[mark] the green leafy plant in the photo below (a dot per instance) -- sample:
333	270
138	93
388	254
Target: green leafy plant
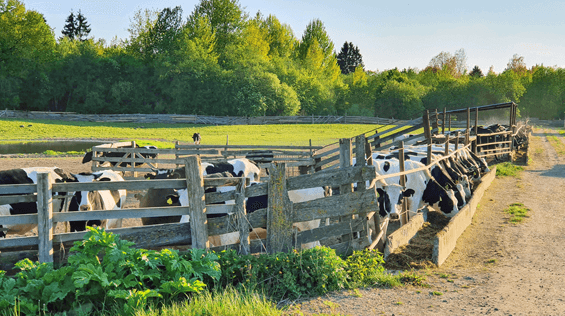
104	270
285	275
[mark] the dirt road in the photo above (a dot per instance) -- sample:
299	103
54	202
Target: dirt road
497	268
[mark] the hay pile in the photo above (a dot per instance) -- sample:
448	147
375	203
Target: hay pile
418	253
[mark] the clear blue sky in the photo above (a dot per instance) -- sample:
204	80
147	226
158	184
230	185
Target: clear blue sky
388	33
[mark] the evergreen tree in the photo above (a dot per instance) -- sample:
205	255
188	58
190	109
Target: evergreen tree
83	28
76	27
70	28
476	72
349	58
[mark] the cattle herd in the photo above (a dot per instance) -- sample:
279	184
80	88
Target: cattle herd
446	185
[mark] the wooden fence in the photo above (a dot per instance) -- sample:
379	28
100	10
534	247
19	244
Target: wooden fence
278	218
199	119
293	156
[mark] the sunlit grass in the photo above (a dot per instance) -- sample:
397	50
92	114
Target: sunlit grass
508	169
227	303
164	135
556	144
518	212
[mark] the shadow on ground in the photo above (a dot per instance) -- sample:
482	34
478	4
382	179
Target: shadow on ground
558	171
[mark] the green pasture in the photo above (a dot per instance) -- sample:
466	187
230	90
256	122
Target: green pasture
164	135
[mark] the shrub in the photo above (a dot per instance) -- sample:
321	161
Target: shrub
285	275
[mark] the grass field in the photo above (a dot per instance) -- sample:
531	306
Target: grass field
164	135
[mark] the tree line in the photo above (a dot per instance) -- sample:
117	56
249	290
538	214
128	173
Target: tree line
220	60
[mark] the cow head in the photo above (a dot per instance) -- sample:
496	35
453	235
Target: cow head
448	203
390	199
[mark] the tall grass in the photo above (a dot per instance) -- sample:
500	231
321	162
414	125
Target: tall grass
229	302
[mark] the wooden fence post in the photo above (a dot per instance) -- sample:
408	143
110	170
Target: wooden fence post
360	157
360	153
468	130
447	144
449	120
45	217
133	155
241	216
427	132
443	121
345	161
436	122
280	213
457	141
403	216
345	158
195	190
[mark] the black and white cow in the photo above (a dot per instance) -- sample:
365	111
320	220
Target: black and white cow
161	197
241	167
97	200
256	203
27	176
421	189
88	156
196	138
442	172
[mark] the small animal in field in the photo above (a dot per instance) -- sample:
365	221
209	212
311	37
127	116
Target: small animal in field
196	137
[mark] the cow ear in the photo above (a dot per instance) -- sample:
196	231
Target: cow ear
408	192
172	199
380	191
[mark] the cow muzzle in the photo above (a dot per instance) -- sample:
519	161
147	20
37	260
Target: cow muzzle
85	208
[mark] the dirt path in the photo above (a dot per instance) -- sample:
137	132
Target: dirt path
497	268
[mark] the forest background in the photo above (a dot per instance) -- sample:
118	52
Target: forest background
220	60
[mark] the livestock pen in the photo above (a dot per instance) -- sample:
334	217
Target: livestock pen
278	218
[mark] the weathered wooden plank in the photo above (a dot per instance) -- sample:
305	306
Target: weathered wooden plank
360	157
123	213
255	246
18	219
279	213
6	243
327	153
339	229
496	143
45	217
324	162
259	153
10	199
18	188
413	122
241	219
408	130
257	147
195	186
120	185
346	248
338	205
333	178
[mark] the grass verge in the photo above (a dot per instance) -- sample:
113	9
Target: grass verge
517	212
556	144
508	169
